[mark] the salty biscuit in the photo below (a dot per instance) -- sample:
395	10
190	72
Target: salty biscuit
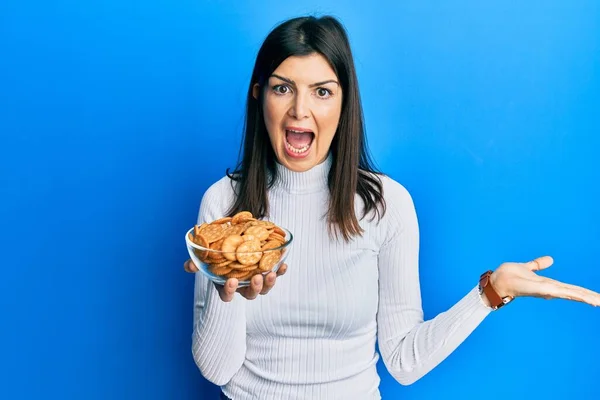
201	241
241	217
220	270
266	224
223	220
248	268
215	255
230	245
236	265
212	233
260	232
271	244
234	230
279	231
249	253
250	275
198	228
237	274
276	236
269	260
221	264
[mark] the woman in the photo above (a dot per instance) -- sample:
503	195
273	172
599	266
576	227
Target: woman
354	263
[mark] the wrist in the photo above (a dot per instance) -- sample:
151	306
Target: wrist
492	290
499	285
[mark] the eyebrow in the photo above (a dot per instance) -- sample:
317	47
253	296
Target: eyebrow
311	85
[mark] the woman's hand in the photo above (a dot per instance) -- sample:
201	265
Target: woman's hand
260	284
520	280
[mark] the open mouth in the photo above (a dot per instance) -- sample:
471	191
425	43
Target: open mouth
298	142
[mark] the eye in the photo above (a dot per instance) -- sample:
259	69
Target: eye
323	93
281	89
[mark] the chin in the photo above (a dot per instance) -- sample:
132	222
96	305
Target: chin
296	164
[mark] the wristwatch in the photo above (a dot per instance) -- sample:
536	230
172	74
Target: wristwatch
485	286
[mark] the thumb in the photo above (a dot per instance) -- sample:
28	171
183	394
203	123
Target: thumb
540	263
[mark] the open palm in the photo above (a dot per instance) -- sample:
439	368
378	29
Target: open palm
520	280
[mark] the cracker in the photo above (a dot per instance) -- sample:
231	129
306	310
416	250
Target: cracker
212	233
276	236
220	270
260	232
230	245
234	230
271	244
249	275
279	231
249	237
215	255
236	265
266	224
221	221
268	261
237	274
248	268
249	253
221	264
241	217
201	241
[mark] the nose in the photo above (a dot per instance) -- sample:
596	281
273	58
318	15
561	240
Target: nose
300	108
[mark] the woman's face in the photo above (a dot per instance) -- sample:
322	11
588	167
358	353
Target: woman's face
302	106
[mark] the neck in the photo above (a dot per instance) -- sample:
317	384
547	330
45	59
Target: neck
312	180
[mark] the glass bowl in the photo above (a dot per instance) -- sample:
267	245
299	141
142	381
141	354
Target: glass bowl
219	265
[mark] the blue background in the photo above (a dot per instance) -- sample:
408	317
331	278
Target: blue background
116	116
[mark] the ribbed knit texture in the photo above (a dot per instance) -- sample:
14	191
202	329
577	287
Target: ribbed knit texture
313	336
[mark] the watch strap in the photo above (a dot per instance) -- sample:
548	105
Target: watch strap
485	286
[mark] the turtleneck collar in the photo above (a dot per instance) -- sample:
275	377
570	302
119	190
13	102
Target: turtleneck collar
313	180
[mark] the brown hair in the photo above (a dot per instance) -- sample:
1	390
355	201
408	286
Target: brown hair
352	170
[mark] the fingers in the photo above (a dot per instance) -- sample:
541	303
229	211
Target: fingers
540	263
190	267
259	285
227	291
256	286
282	269
556	289
551	288
269	282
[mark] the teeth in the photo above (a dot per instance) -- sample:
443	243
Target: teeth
295	150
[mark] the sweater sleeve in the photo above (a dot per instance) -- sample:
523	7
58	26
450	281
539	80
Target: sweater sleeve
411	347
219	328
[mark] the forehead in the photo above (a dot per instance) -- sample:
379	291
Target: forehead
306	69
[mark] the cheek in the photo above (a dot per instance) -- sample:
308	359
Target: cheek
270	123
327	123
272	116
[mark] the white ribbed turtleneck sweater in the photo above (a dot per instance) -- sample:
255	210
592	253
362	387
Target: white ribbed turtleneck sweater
313	335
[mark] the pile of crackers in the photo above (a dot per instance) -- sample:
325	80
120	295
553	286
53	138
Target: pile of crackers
240	246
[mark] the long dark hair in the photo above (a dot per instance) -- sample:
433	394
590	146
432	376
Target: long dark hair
352	169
